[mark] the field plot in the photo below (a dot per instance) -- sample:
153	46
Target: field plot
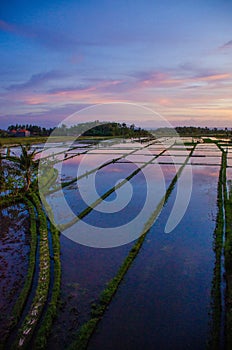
208	154
125	283
164	300
229	174
229	161
14	251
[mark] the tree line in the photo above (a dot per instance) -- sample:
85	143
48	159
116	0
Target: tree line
193	131
34	129
95	128
198	131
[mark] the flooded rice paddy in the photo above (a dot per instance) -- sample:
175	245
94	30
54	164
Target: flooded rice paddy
14	251
165	298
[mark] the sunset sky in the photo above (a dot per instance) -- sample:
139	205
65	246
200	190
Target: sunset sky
174	57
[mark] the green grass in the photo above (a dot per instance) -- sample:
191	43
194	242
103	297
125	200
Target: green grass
45	328
11	199
228	265
47	179
224	199
216	295
28	326
9	141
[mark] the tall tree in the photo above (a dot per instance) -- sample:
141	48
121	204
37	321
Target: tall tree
27	164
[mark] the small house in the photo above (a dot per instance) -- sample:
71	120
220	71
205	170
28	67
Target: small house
19	133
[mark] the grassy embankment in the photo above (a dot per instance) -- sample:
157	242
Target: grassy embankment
223	223
9	141
106	296
46	324
34	315
216	292
228	264
28	326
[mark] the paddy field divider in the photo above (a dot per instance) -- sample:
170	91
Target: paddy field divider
99	308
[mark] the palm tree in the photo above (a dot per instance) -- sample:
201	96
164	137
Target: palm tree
27	164
24	165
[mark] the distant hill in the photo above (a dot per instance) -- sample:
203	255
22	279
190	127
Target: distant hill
96	129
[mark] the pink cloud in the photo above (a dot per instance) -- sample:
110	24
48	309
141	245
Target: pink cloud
168	94
227	45
167	80
214	77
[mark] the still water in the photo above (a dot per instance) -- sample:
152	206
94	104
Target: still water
164	300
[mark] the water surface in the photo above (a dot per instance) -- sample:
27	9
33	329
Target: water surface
164	300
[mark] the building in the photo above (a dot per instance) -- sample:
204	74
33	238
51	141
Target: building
20	133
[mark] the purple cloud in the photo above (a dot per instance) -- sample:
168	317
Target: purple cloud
60	40
50	117
37	80
68	89
227	45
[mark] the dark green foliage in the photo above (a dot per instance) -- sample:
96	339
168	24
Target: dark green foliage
40	298
84	335
34	129
228	263
216	295
47	178
200	131
27	164
101	129
45	328
28	326
17	173
116	129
